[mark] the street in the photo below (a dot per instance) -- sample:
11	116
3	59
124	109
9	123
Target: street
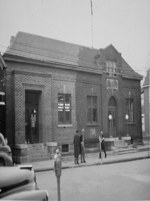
119	181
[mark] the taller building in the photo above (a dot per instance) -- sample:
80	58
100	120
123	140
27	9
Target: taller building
54	88
146	104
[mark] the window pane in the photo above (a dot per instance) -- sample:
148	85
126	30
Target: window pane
67	117
111	67
60	98
94	115
60	117
89	102
91	109
130	109
89	115
67	98
94	102
64	108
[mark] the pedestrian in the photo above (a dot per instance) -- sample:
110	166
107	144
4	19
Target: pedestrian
77	147
57	163
57	154
33	126
82	146
102	144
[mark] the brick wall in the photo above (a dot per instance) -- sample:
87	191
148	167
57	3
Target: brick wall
51	81
88	85
63	82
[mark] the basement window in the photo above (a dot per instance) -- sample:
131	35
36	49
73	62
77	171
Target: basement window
65	148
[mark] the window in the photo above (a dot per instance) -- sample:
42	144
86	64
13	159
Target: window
64	108
112	84
111	67
130	109
65	147
92	109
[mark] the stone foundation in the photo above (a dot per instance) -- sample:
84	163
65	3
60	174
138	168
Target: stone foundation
23	153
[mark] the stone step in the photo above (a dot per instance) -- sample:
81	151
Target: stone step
30	152
36	148
37	152
38	157
120	143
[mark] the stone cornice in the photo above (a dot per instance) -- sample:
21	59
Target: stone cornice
31	73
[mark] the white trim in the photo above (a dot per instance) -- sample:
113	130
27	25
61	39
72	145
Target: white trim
65	125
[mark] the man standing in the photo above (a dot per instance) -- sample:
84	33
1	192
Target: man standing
82	146
76	143
33	125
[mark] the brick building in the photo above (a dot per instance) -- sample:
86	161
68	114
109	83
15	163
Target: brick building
54	88
146	104
2	95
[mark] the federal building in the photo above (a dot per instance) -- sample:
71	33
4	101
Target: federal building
54	88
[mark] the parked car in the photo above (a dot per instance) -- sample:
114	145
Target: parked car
5	153
19	183
40	195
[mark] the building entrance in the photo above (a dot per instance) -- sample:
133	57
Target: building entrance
32	116
112	107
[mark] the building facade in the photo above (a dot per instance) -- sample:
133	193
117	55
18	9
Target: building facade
146	104
54	88
2	95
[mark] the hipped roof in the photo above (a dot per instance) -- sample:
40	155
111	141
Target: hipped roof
47	50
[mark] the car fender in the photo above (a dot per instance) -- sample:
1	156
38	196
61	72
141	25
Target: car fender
40	195
16	179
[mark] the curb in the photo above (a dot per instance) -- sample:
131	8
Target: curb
92	164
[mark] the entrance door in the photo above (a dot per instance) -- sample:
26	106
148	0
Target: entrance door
112	117
32	116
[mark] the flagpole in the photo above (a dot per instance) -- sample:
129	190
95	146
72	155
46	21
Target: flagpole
91	23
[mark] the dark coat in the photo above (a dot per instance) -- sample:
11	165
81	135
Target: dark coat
77	146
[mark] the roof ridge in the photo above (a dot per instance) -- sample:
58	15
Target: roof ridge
56	40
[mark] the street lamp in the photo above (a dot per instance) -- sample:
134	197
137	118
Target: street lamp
110	119
2	94
127	118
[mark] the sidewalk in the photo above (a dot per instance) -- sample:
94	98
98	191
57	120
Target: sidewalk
141	152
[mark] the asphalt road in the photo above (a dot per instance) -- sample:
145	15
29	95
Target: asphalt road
115	182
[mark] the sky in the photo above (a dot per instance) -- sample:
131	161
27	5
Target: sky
123	23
